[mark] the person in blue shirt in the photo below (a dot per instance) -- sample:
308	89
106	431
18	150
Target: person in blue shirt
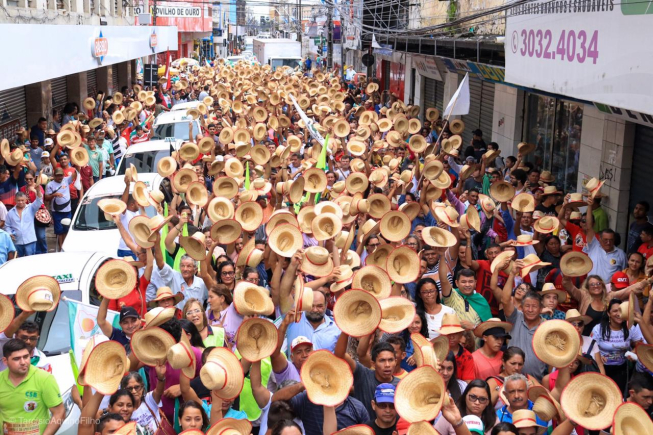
7	248
516	390
20	223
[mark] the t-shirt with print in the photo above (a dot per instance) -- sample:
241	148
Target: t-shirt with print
434	321
60	204
365	384
124	219
74	193
577	236
484	277
613	350
465	364
25	409
645	250
94	159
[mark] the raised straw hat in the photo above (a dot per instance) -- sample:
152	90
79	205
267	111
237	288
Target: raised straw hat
38	293
591	400
373	280
316	262
166	166
403	265
115	279
285	240
397	313
256	339
395	226
544	405
183	178
326	226
150	346
575	264
182	357
326	378
556	343
250	299
226	231
250	215
7	312
106	366
524	202
437	237
502	191
532	263
630	418
420	395
223	374
194	245
357	313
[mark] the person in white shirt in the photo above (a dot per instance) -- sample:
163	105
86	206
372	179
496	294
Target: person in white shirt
130	212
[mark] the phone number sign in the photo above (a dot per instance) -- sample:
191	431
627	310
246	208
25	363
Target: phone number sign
587	49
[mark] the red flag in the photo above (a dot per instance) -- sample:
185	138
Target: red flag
168	69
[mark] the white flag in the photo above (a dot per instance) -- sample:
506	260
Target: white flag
82	319
374	43
459	103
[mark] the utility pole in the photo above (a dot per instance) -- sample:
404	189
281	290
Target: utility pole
154	14
330	38
299	19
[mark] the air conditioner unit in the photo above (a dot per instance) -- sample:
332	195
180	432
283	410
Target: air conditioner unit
144	19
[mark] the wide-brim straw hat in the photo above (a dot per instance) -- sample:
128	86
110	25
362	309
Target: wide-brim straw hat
575	264
466	171
411	209
118	117
433	169
450	324
285	240
420	395
373	280
380	255
150	345
499	259
357	313
591	400
446	214
250	215
379	205
93	341
194	245
182	357
556	343
630	418
315	180
544	405
139	228
183	179
112	206
189	151
326	378
457	126
206	145
432	114
384	124
115	279
226	231
525	240
526	148
525	418
89	103
627	310
492	323
439	238
356	148
107	364
196	194
260	154
220	208
524	202
395	226
256	339
403	265
223	374
229	426
166	166
162	293
397	313
7	312
341	128
140	194
226	136
225	187
417	143
502	191
593	186
532	263
250	299
38	293
357	429
546	224
471	219
79	156
645	354
550	288
317	262
573	315
379	177
326	226
356	182
233	168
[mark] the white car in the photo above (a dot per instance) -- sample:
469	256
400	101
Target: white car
145	156
235	59
175	125
89	229
75	273
185	106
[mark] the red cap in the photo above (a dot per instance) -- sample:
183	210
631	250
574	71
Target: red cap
620	280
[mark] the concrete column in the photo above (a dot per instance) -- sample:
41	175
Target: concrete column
39	102
507	120
451	81
124	74
408	79
77	87
104	80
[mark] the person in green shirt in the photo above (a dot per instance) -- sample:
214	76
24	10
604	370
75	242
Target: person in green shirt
28	395
599	215
94	158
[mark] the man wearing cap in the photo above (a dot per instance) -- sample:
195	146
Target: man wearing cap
383	405
300	348
129	322
45	166
58	193
606	258
20	223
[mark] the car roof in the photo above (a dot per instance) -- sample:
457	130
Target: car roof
153	145
65	267
116	185
172	117
276	40
185	106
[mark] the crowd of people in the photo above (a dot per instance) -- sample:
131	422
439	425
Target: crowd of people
317	262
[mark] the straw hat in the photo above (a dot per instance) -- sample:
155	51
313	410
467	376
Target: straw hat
341	128
630	418
373	280
432	114
457	126
317	262
225	188
526	240
411	209
487	205
93	341
502	191
384	125
500	258
403	265
250	215
280	217
450	324
183	178
379	257
118	117
229	426
573	315
397	314
79	156
162	293
196	194
131	172
220	208
526	148
591	400
556	342
7	312
357	313
379	205
466	171
250	299
285	240
576	200
206	145
107	364
139	228
89	103
480	330
226	231
327	378
315	180
645	354
593	186
141	194
233	168
182	357
326	226
111	206
150	345
574	264
532	263
491	155
420	395
223	373
546	224
550	288
446	214
544	405
256	339
226	136
525	418
38	293
524	202
417	142
471	219
437	237
433	169
379	177
356	148
395	226
551	190
627	310
115	279
356	182
166	166
357	429
194	245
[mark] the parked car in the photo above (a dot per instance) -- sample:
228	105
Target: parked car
175	125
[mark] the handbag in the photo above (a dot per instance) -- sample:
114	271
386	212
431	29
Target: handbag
164	427
42	218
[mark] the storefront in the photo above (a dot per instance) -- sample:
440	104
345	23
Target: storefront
391	76
481	110
59	88
13	112
555	127
640	183
433	94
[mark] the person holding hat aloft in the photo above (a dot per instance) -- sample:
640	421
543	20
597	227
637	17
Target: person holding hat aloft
19	222
606	257
300	349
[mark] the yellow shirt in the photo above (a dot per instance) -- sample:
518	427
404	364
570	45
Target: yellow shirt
464	310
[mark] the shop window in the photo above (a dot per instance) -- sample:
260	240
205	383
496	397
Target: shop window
555	127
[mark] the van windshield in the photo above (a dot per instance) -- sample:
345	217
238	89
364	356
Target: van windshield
144	162
277	63
178	130
89	217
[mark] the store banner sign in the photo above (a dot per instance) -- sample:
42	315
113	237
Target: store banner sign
178	11
593	50
482	71
427	67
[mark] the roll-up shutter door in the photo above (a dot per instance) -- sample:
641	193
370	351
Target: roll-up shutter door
487	111
430	94
59	92
439	95
91	83
386	75
13	112
114	79
473	119
640	184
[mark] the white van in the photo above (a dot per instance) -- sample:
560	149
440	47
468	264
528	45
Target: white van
75	273
185	106
89	229
175	125
145	156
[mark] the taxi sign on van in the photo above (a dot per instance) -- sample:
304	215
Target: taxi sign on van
64	278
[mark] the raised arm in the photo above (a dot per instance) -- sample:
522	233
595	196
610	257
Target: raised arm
285	289
341	350
105	326
506	296
443	270
261	394
589	221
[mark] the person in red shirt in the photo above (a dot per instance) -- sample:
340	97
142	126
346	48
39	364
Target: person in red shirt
484	275
555	277
646	248
454	331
